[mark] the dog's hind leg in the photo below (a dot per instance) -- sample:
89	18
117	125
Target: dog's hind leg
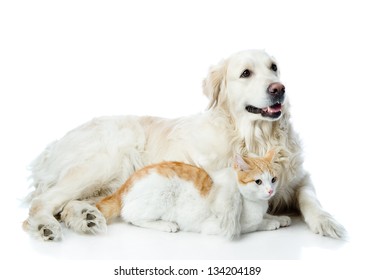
76	184
41	222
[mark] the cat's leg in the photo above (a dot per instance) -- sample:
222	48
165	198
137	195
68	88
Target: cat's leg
268	224
83	217
264	224
158	225
283	220
251	216
211	226
318	220
248	227
250	223
226	214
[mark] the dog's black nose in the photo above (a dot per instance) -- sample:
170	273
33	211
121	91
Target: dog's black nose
276	90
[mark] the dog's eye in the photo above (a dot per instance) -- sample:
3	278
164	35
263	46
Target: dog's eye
274	67
274	179
258	182
245	74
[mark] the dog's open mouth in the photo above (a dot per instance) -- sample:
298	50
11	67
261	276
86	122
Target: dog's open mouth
272	112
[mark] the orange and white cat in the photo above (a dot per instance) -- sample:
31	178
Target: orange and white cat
172	196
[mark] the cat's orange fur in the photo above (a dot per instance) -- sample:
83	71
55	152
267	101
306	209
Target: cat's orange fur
257	166
173	196
111	205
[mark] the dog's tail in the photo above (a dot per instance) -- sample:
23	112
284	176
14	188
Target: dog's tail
110	206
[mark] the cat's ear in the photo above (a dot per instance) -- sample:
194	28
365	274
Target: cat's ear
240	163
270	155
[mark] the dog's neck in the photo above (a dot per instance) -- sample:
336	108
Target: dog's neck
258	136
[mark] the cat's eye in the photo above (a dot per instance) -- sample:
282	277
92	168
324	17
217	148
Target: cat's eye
245	74
258	182
274	67
274	179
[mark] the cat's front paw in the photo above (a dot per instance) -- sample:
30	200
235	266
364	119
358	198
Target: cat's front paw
172	227
271	225
284	221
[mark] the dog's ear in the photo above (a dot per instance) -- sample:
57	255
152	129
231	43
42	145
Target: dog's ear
214	84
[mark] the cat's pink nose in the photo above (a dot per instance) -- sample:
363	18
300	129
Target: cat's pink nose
270	192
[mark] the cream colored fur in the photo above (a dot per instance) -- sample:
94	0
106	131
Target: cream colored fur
95	158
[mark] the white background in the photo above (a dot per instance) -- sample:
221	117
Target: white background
65	62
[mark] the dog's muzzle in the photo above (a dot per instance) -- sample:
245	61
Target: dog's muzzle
276	93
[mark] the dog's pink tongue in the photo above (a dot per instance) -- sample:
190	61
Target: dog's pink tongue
273	109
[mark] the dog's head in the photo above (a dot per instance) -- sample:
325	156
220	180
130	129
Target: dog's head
248	85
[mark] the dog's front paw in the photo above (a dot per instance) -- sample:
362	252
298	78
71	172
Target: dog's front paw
324	224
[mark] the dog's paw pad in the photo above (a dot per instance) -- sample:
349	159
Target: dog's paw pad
92	221
91	224
90	217
84	218
49	232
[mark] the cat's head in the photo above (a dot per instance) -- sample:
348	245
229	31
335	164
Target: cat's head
256	176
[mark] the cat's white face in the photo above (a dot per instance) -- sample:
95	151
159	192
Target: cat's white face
262	187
